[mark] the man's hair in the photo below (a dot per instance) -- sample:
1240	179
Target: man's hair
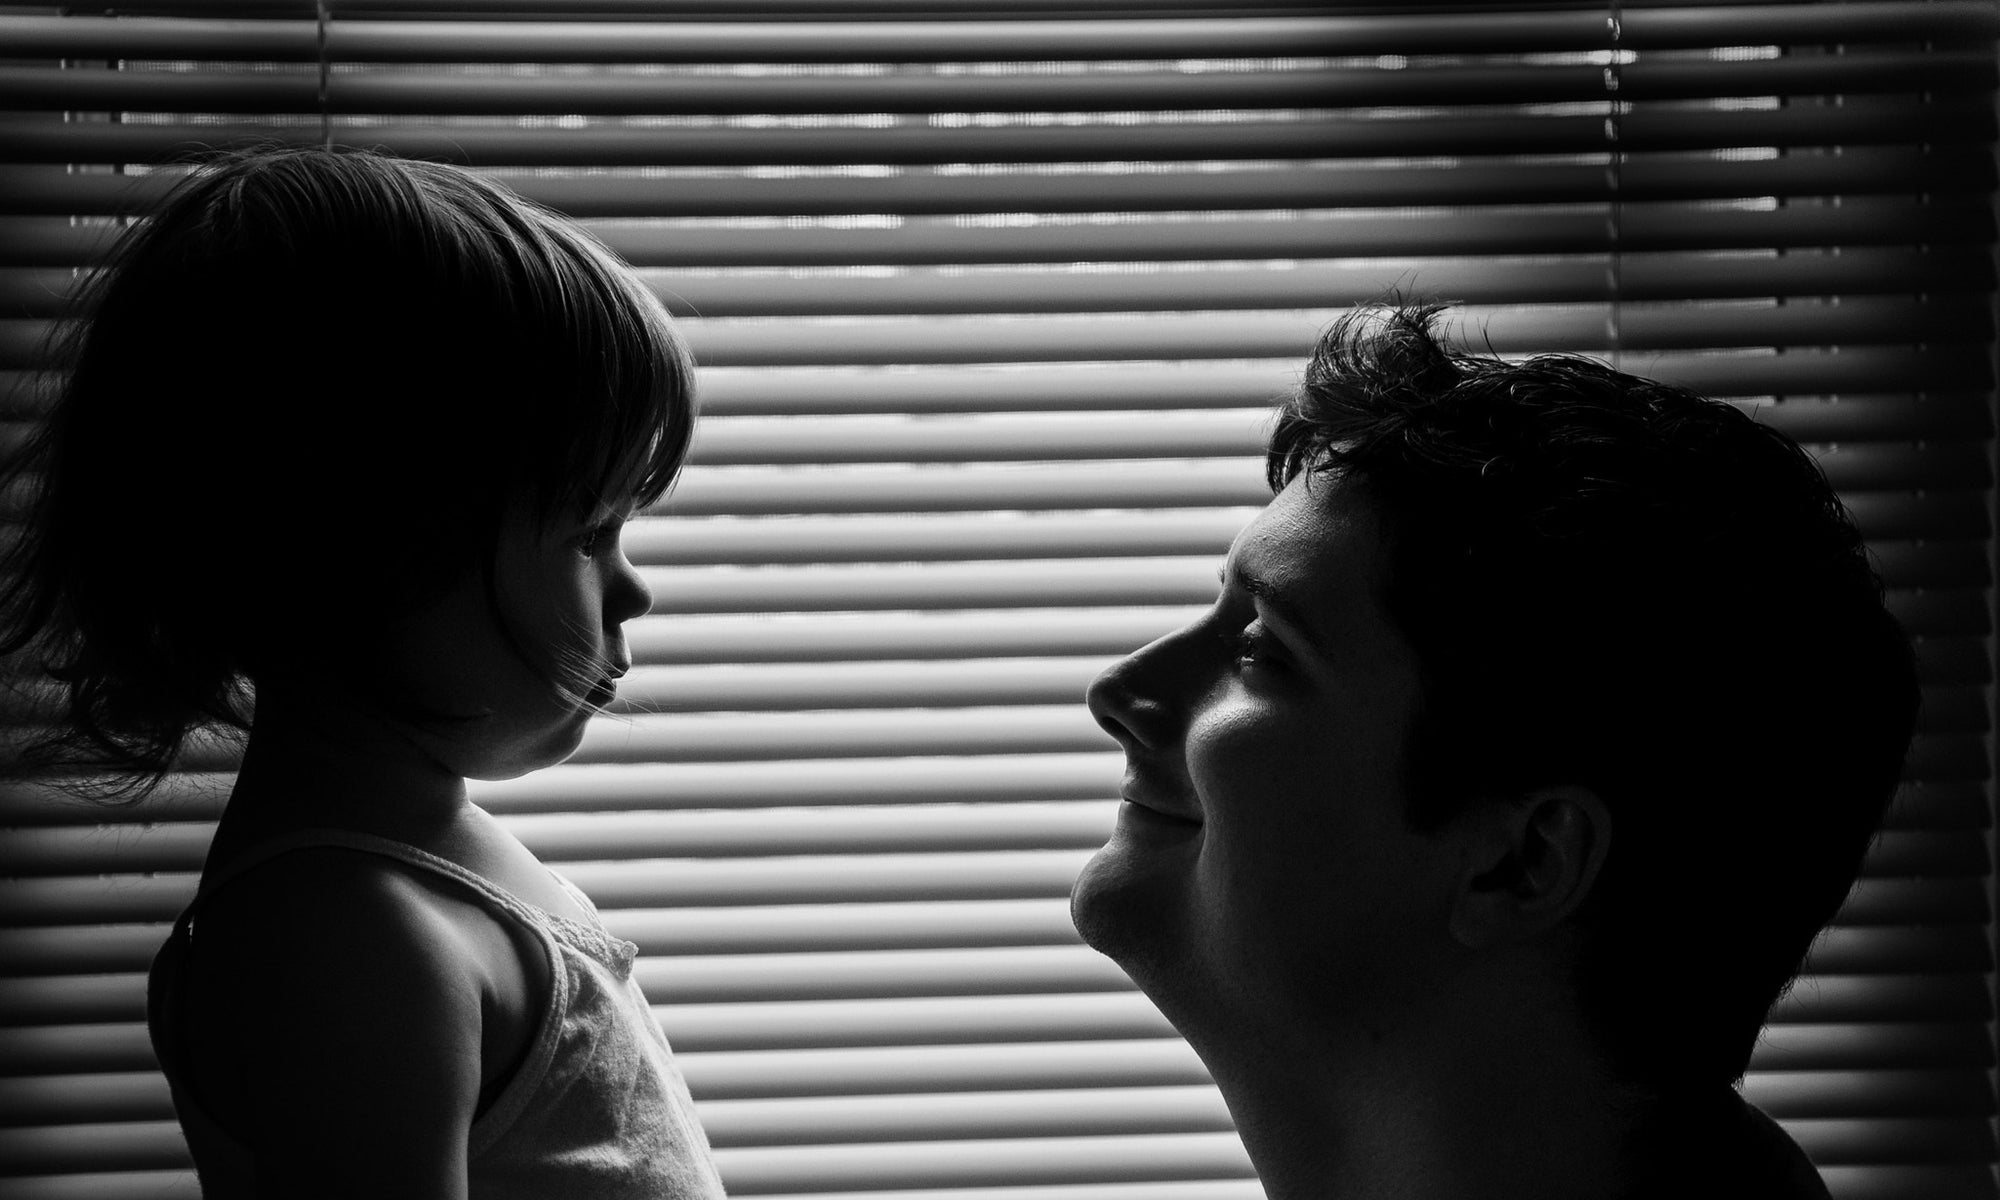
1615	583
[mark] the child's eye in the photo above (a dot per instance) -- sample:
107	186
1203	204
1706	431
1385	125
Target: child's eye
598	538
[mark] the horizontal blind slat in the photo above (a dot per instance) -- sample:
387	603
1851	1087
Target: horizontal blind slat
832	879
1860	170
1142	483
46	292
1644	228
1037	1113
149	1185
37	140
1035	338
682	9
1847	1183
1877	1142
1089	387
930	241
693	979
1834	1046
1073	582
1055	1160
1013	779
1859	371
1278	334
108	1097
1806	1095
764	1170
1913	538
808	538
1031	1066
1082	824
974	40
101	950
725	441
658	42
157	1145
181	846
1855	271
129	948
1897	1182
860	878
943	972
432	93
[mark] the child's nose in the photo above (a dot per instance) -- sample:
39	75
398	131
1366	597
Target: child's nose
628	596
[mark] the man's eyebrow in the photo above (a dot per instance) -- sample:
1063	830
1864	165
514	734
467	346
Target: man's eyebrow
1285	612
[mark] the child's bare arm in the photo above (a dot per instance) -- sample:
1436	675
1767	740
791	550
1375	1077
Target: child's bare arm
361	1065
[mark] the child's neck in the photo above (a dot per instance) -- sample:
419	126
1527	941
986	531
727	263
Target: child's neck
320	759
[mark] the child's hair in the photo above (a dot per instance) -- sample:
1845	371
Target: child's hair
297	405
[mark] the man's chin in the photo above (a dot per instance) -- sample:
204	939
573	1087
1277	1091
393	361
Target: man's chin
1125	905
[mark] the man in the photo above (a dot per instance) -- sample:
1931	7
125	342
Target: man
1541	722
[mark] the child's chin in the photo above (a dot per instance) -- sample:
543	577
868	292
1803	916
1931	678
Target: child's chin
555	747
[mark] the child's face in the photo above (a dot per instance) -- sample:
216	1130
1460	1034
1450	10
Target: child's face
515	671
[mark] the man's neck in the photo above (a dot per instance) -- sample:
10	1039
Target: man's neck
1416	1139
1496	1109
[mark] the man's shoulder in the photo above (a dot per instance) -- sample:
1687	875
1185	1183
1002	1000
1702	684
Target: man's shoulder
1724	1145
1785	1171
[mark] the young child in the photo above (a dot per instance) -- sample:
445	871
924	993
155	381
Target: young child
341	460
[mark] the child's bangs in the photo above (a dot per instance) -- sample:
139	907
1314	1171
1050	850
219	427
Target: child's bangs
612	412
625	428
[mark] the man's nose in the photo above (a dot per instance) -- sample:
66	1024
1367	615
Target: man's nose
1135	699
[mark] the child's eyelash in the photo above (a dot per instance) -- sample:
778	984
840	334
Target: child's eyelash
595	539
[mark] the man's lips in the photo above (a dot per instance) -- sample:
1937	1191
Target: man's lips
1155	808
1140	790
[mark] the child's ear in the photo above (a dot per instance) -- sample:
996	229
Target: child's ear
1530	861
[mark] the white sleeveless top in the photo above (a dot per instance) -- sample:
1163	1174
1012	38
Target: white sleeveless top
596	1109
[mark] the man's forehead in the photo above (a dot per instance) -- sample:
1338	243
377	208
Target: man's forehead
1317	548
1314	523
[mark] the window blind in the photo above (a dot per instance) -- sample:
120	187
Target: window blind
990	300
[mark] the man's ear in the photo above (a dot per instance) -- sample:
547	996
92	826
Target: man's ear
1531	860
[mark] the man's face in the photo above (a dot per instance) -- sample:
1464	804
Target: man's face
1262	870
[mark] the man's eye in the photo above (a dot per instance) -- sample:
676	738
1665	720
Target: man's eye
1251	646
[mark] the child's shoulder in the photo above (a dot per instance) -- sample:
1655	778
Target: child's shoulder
325	971
318	911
